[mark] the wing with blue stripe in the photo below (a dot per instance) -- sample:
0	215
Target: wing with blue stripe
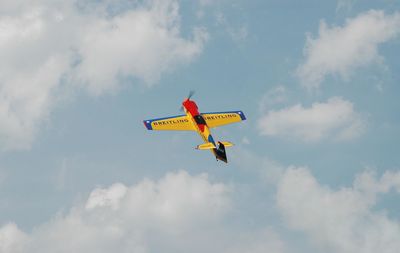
215	119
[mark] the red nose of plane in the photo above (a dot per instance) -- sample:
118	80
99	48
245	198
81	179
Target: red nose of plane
190	106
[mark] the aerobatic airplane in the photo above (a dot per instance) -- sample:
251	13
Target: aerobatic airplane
192	120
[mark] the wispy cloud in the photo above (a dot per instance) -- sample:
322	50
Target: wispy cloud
345	4
339	50
237	33
56	45
144	217
274	96
335	119
343	220
177	213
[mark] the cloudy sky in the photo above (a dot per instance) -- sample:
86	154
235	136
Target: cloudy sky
315	168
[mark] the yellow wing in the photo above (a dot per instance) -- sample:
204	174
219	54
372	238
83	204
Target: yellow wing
215	119
177	123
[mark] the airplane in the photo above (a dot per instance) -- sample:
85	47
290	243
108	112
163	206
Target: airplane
192	120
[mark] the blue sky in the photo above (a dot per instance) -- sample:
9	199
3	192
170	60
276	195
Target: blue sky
314	166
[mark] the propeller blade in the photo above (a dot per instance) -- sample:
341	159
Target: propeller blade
191	93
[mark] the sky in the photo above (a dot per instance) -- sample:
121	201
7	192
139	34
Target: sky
315	167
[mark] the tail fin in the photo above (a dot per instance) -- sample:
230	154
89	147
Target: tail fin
220	151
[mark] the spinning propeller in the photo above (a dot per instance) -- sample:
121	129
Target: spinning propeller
191	93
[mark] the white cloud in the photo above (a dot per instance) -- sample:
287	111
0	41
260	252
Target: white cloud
345	4
238	34
246	140
109	197
260	242
340	50
262	167
343	220
334	119
29	73
140	43
177	213
151	216
55	45
11	238
274	96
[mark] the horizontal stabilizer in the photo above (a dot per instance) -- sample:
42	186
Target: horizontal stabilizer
204	146
226	143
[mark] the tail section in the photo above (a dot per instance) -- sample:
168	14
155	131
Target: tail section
226	143
220	152
207	145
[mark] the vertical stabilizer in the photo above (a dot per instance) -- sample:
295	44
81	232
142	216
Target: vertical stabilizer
221	153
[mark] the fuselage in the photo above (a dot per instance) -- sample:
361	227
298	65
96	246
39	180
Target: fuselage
192	112
193	120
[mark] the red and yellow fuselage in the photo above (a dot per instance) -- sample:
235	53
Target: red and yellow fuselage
199	122
192	112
